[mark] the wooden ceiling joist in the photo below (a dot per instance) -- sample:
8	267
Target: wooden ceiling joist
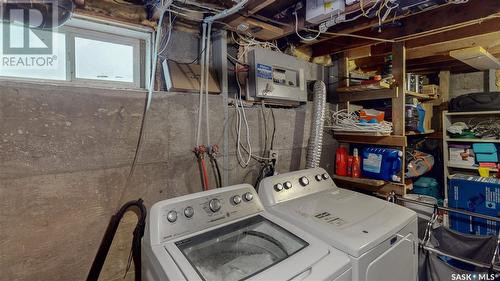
423	22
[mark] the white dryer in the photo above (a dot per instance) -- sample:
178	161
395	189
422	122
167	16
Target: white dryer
225	234
380	237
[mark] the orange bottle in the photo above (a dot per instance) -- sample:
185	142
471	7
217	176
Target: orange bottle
356	164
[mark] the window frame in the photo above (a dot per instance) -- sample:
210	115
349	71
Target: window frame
139	37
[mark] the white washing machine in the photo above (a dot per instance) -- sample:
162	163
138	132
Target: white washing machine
225	234
380	237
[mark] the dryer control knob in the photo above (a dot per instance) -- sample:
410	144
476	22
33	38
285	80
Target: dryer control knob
172	216
236	199
318	177
188	212
278	187
325	176
214	205
248	196
304	181
287	185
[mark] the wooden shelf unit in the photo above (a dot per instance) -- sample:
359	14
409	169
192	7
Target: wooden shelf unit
398	138
448	118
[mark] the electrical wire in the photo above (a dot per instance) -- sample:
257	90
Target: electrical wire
297	30
242	119
242	116
149	97
263	107
274	129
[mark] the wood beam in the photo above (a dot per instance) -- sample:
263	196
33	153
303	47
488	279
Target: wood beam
490	41
398	72
414	24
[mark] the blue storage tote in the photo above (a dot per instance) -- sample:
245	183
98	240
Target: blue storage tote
478	195
485	152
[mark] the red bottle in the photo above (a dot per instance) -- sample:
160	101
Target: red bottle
356	165
341	161
349	166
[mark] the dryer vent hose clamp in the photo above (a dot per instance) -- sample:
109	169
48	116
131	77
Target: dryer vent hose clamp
315	144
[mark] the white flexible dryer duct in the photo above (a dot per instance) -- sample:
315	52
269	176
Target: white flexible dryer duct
318	120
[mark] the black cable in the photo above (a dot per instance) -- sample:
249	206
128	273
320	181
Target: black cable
137	206
265	129
196	59
274	128
218	171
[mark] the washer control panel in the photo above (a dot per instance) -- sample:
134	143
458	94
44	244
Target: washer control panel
183	215
283	187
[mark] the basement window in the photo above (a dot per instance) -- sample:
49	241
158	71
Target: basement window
82	52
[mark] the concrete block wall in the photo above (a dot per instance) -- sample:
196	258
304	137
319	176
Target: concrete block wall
65	153
465	83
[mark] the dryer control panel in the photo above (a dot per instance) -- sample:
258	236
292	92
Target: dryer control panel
283	187
188	214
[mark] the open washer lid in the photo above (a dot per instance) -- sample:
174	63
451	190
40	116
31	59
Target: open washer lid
348	220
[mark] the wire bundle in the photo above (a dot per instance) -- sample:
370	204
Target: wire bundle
345	121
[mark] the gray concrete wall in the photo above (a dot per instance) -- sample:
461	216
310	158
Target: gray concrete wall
65	153
465	83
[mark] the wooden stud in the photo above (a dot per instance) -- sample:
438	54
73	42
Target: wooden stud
398	103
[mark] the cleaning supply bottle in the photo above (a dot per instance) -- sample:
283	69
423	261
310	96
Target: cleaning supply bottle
356	164
349	166
381	163
341	161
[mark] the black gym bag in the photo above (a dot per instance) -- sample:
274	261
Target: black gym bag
476	102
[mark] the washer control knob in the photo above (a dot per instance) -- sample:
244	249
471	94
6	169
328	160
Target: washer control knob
214	205
287	185
325	176
236	199
248	196
304	181
278	187
188	212
172	216
318	177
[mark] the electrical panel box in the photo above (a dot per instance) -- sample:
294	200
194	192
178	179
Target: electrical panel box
318	11
273	75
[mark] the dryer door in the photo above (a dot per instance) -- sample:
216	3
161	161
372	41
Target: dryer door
398	263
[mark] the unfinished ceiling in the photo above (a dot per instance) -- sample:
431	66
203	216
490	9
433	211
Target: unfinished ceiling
429	34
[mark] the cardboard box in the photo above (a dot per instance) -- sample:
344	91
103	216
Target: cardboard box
475	194
180	77
461	154
431	90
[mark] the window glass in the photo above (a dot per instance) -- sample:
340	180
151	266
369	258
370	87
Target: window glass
100	60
